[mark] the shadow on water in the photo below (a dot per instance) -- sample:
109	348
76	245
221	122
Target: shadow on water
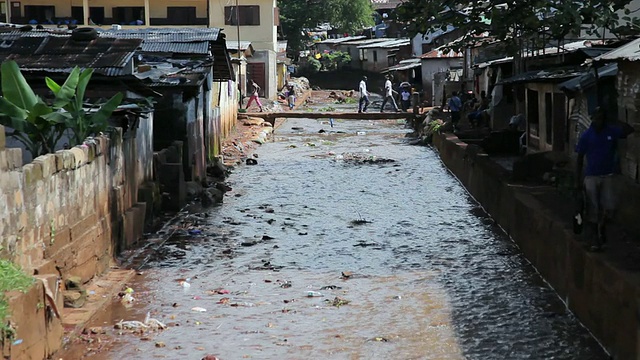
427	274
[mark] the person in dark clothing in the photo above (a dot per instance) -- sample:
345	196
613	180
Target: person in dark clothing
598	144
455	106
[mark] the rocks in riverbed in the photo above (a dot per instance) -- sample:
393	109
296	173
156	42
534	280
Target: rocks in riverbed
362	159
211	196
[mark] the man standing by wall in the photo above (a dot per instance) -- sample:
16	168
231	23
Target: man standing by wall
599	145
363	103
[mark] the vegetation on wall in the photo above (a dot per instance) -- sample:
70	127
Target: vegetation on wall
40	125
11	279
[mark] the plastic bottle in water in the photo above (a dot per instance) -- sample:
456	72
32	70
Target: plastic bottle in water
314	294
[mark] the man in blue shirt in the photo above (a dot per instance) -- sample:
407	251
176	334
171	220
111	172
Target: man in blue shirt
455	106
599	146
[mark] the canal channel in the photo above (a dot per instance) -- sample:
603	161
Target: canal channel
402	264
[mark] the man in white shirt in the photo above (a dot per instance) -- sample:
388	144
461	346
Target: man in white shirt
388	95
364	96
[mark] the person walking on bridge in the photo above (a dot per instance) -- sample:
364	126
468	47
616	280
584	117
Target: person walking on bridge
598	144
388	95
363	103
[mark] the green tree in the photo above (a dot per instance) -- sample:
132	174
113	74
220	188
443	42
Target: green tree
38	125
34	123
83	120
335	60
345	15
516	23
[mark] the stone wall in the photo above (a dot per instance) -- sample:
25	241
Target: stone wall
604	298
66	214
54	212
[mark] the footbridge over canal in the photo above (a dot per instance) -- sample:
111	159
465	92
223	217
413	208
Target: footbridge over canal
272	116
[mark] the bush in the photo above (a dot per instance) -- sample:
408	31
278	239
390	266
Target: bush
335	60
310	66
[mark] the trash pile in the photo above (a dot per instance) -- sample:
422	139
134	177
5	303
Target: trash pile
357	159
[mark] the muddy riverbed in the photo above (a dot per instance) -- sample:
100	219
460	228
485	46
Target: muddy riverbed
400	261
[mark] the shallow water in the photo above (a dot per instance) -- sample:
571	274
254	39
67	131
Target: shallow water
432	276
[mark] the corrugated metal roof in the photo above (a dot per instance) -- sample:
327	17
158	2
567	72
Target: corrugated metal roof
563	49
364	41
201	47
341	40
389	43
551	75
404	65
494	62
436	54
385	4
630	52
107	71
165	34
588	79
61	52
233	45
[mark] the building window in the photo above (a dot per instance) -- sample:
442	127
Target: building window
363	55
181	15
96	15
249	15
40	13
128	15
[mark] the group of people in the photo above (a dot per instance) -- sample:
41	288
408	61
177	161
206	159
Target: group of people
477	110
389	92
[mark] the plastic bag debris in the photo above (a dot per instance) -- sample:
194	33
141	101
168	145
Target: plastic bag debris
198	309
154	323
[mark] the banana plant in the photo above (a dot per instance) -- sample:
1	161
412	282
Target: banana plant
35	124
83	120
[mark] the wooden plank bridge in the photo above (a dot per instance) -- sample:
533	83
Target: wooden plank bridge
372	115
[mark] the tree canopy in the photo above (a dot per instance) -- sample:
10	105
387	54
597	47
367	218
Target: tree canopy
515	21
347	16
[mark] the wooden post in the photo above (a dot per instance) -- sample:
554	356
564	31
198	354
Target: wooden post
7	4
147	16
85	12
415	104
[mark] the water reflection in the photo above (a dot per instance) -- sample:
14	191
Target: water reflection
432	277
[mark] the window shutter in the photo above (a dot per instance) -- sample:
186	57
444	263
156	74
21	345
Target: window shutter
255	18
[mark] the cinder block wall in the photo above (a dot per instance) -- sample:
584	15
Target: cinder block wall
54	212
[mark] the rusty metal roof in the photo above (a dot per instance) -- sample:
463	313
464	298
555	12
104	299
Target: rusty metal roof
630	51
61	52
165	34
385	4
197	48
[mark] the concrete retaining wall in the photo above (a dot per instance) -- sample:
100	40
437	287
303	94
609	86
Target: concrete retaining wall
605	299
64	215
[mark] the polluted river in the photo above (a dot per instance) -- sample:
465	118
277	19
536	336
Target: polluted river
342	242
